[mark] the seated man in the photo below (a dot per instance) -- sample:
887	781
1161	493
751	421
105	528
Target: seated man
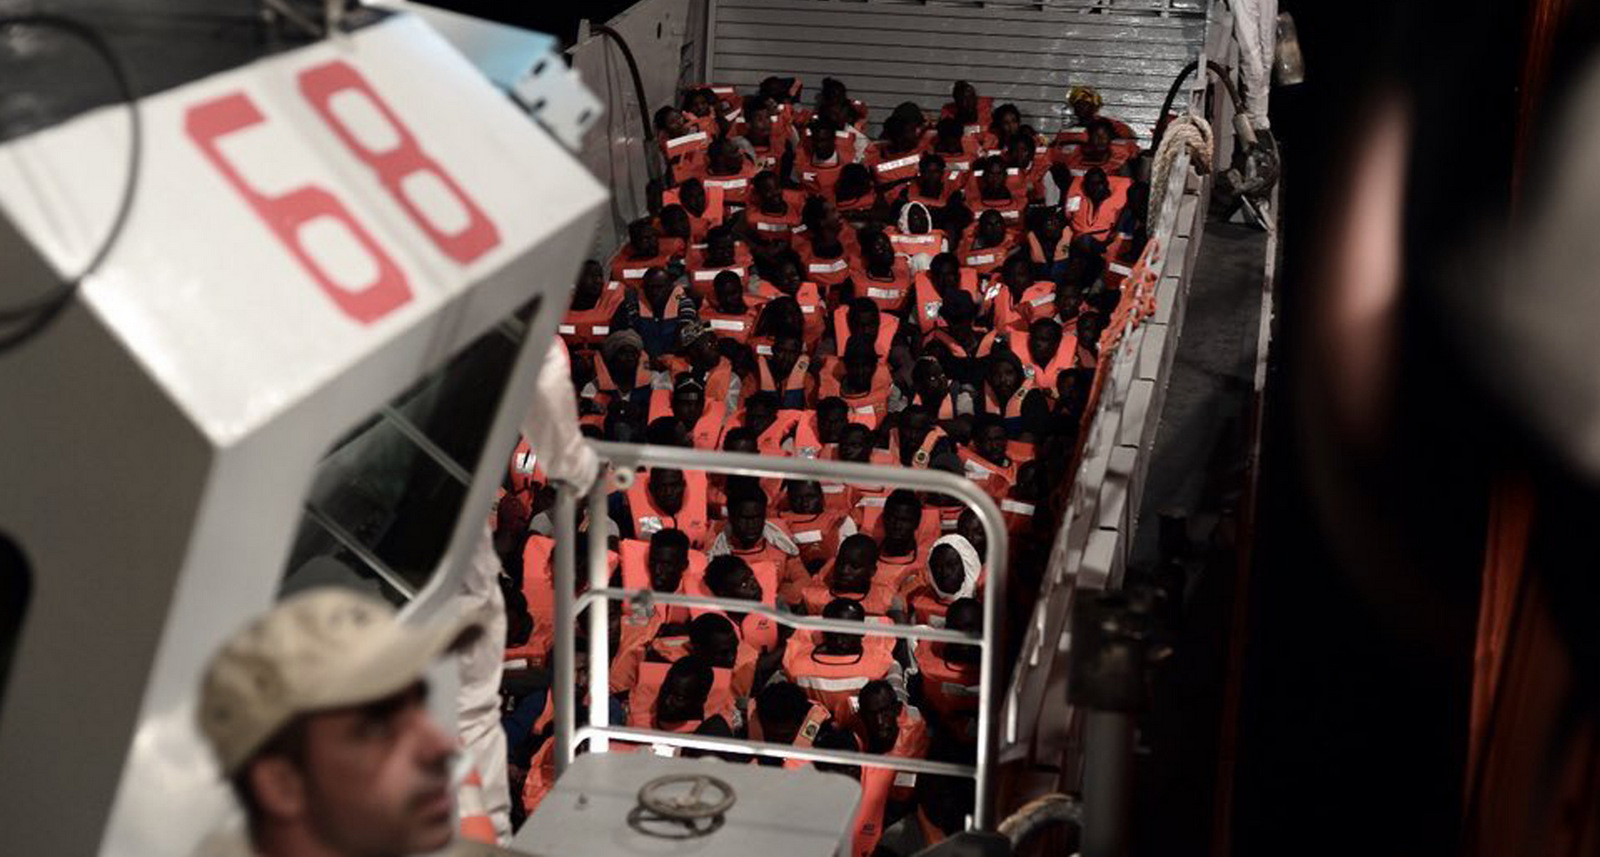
831	667
815	528
852	576
903	531
290	706
887	725
594	304
783	715
988	461
657	313
1045	352
642	252
732	577
684	698
713	638
665	498
749	535
869	822
862	379
947	676
727	313
954	571
722	253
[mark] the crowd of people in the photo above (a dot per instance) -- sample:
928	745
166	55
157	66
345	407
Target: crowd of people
931	298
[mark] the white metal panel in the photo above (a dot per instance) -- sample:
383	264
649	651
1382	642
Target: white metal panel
1023	53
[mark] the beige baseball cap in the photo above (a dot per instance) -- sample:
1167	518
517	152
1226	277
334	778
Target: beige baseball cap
320	649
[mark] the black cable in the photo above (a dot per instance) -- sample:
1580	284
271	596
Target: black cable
638	94
33	316
1177	83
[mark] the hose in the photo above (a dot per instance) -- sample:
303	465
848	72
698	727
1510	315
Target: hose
1039	814
652	167
1177	83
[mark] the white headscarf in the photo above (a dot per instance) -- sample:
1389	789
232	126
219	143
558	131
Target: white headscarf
905	218
971	565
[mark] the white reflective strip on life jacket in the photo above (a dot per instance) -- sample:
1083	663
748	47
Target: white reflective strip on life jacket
726	324
764	350
985	259
972	129
807	537
1016	506
632	273
977	471
905	779
686	139
1074	202
1079	172
1041	301
602	329
865	409
648	524
566	329
897	163
833	488
516	664
885	294
1115	268
764	226
874	501
726	184
833	267
831	685
1010	213
808	309
711	273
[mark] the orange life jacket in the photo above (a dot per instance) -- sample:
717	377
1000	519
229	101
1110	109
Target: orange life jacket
691	519
1084	218
1018	515
985	114
539	590
826	273
687	151
834	680
876	784
1117	271
951	690
1010	208
1073	155
703	273
817	592
958	165
588	327
630	270
807	734
642	698
890	168
867	408
737	326
635	555
817	178
995	480
906	245
777	227
700	223
754	630
889	295
735	187
984	260
1044	377
817	535
706	432
929	301
888	328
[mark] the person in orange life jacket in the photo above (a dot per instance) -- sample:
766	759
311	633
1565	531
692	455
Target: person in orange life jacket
700	354
667	431
899	529
1019	155
705	212
1090	326
855	196
789	280
656	314
1096	151
990	189
773	436
988	462
766	145
882	277
953	572
705	420
916	241
870	819
955	344
830	666
729	168
595	304
934	187
946	682
1047	353
1004	387
819	158
682	142
833	417
917	437
685	692
722	252
932	393
1006	122
750	535
773	214
784	373
893	160
666	500
888	726
729	576
816	530
862	386
1020	506
727	314
1049	246
676	229
714	639
853	576
642	252
699	108
620	372
783	715
862	317
986	247
971	112
824	248
1093	217
944	276
1016	299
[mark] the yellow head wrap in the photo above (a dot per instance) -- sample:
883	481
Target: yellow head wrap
1083	93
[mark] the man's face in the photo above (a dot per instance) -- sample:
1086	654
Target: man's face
854	571
931	382
376	778
929	173
1099	140
1009	123
666	488
1096	186
720	247
591	279
880	717
993	179
1003	377
853	444
768	191
703	351
969	527
1084	109
1043	341
667	564
863	322
786	351
675	124
831	424
900	522
645	241
760	415
699	104
680	700
688	405
914	426
657	286
946	569
760	123
805	498
990	441
722	648
880	251
991	227
788	278
626	359
822	142
966	98
693	196
747	519
859	369
743	585
729	290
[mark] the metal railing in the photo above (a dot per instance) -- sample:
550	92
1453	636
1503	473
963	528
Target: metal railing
624	461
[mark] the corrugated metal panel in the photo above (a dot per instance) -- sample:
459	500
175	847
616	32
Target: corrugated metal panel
1026	53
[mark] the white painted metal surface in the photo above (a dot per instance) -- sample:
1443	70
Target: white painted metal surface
1024	53
162	435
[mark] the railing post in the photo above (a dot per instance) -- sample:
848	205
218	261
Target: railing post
599	613
565	648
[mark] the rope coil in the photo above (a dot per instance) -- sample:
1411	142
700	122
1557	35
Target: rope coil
1191	132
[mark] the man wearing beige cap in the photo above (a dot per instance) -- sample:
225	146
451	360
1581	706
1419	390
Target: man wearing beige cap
316	712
